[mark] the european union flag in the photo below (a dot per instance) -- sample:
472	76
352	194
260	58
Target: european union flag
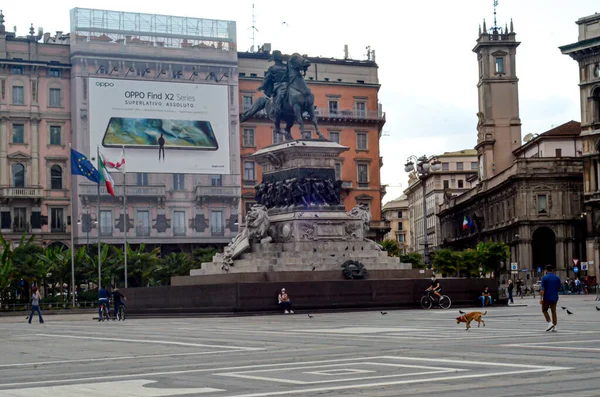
80	165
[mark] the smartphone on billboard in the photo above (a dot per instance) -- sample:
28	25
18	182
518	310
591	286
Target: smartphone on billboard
146	133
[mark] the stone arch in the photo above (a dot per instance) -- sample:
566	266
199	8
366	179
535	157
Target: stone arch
543	247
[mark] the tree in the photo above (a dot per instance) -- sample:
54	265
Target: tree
6	267
469	263
445	261
202	255
175	264
143	266
414	258
391	246
492	255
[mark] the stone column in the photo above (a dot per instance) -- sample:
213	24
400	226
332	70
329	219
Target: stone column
4	169
35	152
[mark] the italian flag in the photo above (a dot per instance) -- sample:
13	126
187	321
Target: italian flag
105	176
119	165
465	222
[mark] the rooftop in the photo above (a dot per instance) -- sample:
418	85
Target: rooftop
460	153
350	62
570	129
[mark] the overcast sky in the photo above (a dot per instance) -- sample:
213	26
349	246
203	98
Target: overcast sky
427	70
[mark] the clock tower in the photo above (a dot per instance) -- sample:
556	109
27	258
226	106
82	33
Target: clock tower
499	125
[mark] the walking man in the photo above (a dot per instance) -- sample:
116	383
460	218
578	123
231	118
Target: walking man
35	305
510	289
549	297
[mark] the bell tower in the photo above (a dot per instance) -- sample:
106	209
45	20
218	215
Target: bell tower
499	125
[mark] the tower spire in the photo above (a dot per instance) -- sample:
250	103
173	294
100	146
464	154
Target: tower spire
512	28
484	27
495	24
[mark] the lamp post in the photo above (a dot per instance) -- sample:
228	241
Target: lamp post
424	167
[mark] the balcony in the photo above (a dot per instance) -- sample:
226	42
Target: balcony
591	197
178	231
106	230
217	231
380	226
340	115
21	192
139	191
350	114
142	231
58	229
217	193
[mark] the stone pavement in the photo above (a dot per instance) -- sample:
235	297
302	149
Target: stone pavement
402	353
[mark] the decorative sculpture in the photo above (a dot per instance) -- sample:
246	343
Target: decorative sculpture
287	97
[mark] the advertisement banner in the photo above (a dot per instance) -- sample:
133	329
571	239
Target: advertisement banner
165	127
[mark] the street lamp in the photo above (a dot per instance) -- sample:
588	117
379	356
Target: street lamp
424	167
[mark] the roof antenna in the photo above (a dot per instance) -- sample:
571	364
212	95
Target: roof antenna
253	27
495	24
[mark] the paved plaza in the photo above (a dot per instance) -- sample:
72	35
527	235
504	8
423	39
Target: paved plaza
402	353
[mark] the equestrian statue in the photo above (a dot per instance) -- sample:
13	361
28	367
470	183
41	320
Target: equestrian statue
287	96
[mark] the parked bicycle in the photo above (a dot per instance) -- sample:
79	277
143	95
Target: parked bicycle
428	301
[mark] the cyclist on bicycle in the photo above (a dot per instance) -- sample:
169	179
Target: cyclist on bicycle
117	302
103	295
435	287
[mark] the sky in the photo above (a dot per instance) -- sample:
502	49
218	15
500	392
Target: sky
427	70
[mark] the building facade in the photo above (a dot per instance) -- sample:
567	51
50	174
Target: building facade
348	112
395	213
457	175
586	51
127	66
35	131
529	196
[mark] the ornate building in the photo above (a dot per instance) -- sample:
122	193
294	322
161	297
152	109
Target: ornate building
348	112
35	131
586	51
529	196
458	174
395	213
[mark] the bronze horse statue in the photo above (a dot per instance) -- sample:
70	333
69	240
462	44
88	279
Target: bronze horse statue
299	99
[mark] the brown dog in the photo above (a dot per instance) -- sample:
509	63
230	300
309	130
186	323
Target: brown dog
472	316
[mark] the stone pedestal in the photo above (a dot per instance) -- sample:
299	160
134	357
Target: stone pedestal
299	222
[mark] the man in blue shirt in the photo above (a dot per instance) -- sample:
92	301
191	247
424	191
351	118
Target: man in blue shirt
549	297
103	295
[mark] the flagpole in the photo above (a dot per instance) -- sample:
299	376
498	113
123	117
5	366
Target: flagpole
125	212
99	223
73	222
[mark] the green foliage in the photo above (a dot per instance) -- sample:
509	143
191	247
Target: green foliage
492	255
202	255
445	261
413	258
391	246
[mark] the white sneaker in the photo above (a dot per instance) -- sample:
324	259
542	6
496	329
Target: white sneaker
286	312
554	329
549	327
291	311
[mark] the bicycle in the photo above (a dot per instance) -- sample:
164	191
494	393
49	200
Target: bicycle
121	312
104	311
427	301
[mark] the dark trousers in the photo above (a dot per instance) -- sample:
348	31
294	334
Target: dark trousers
286	305
552	306
161	149
100	302
117	307
510	296
39	312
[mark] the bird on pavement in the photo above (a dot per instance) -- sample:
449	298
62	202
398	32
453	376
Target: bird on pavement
564	308
309	316
598	308
383	313
461	312
313	269
569	312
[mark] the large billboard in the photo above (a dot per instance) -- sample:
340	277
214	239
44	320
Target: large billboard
164	127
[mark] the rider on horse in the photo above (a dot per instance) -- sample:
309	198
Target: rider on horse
275	83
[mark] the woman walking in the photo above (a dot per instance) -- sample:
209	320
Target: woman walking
510	291
35	305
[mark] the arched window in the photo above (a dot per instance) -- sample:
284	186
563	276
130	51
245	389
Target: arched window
56	177
18	175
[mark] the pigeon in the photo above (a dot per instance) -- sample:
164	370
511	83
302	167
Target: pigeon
304	143
313	269
383	313
569	312
564	308
598	308
461	312
346	249
309	316
316	216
